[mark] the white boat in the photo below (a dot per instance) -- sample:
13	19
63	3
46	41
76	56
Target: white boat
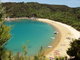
52	37
49	46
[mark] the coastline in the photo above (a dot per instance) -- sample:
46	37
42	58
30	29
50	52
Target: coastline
65	35
55	40
14	19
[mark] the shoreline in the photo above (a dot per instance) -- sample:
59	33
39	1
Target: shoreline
55	40
62	42
65	35
15	19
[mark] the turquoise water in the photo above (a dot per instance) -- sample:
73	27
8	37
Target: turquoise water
32	34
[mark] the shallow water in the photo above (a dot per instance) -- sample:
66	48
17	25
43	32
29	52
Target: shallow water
32	34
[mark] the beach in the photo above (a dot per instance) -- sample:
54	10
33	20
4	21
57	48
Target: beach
64	36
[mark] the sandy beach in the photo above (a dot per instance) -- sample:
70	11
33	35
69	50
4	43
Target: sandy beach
65	35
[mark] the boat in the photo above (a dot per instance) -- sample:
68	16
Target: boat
49	46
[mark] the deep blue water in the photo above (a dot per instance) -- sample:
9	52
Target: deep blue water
32	34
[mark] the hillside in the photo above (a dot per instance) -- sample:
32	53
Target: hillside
62	13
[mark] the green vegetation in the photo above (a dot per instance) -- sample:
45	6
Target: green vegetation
61	13
74	51
70	16
4	31
7	55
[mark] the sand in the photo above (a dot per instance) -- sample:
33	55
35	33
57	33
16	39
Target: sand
66	34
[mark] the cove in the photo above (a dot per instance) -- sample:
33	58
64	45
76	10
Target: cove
31	34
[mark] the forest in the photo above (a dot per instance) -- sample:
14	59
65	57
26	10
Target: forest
65	14
61	13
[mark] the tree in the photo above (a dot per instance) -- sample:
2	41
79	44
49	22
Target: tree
74	50
61	13
4	31
41	55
